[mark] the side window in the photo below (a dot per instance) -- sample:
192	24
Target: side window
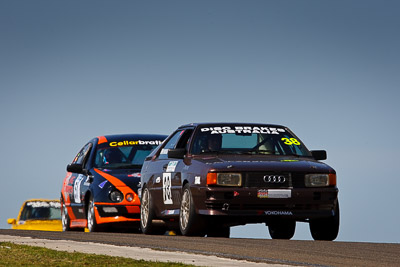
83	154
178	140
170	144
184	140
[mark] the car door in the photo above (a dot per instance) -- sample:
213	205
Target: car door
80	183
167	180
176	166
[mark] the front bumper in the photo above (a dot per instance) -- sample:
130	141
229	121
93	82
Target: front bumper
117	213
250	205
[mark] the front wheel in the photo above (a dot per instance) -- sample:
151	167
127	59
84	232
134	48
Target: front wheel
91	218
147	215
65	220
327	228
282	229
190	223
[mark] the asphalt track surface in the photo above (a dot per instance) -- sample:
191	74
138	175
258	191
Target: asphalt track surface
286	252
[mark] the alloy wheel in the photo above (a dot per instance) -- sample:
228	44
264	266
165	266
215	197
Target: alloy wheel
185	209
144	213
90	217
64	219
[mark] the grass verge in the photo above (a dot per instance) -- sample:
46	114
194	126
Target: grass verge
16	255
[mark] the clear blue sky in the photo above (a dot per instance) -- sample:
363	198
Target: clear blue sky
329	70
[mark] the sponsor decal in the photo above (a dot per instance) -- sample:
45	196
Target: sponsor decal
278	212
167	194
164	151
158	179
197	180
69	190
43	204
235	161
279	193
71	179
136	174
170	212
101	185
77	188
289	160
290	141
68	176
262	193
274	193
242	130
133	143
171	166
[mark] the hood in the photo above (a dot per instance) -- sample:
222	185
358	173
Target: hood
263	162
131	178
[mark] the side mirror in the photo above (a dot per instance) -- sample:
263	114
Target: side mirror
11	221
75	168
177	153
319	154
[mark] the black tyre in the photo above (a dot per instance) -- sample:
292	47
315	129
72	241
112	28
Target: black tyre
91	218
190	223
65	220
282	228
327	228
147	215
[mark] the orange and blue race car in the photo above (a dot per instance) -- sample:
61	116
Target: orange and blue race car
38	214
101	185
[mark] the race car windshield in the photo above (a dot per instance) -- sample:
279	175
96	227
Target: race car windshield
247	140
122	157
41	211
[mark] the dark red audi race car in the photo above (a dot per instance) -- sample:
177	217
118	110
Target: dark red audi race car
207	177
101	185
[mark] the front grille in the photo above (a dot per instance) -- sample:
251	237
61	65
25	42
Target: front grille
256	180
261	180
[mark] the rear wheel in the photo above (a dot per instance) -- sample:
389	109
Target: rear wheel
282	228
190	223
326	228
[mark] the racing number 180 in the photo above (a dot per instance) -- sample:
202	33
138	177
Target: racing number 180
290	141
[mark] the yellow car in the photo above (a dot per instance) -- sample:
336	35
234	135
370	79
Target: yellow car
38	214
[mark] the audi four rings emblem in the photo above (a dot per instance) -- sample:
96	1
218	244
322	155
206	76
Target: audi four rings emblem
274	179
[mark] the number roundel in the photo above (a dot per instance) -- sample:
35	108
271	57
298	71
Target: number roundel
290	141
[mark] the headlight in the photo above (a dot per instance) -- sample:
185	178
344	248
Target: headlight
224	179
116	196
320	180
